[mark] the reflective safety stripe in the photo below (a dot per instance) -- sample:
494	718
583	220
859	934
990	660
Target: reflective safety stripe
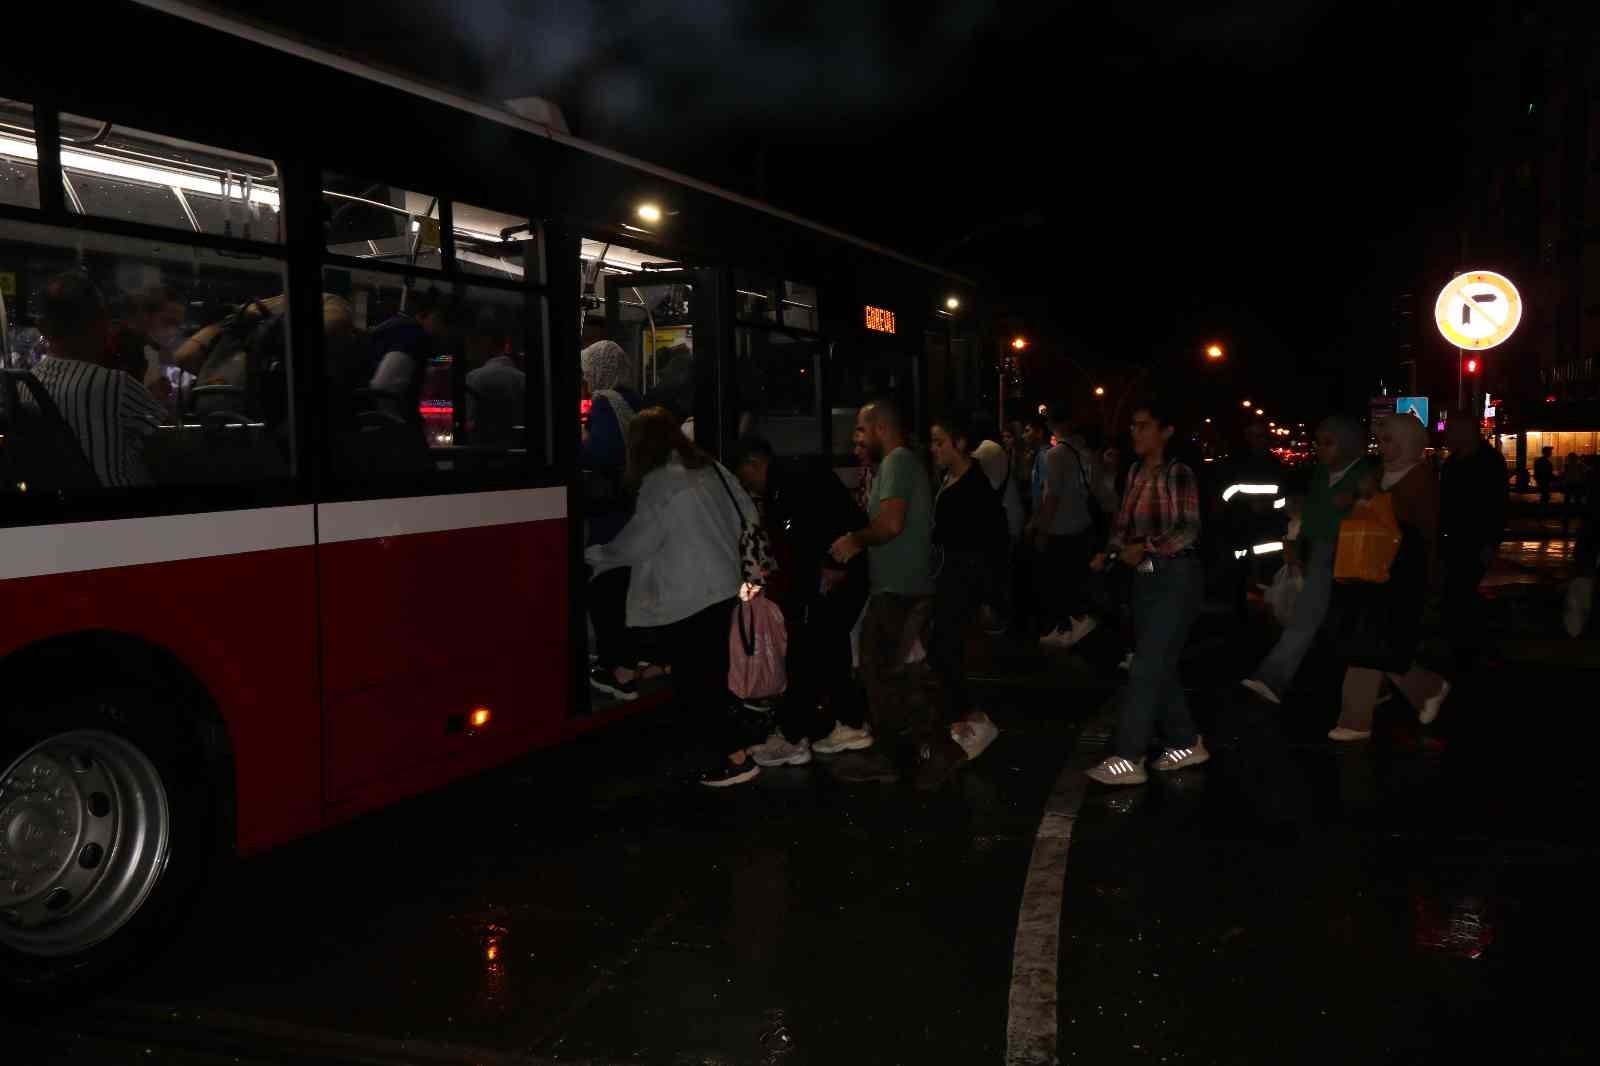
1249	490
1279	504
1268	548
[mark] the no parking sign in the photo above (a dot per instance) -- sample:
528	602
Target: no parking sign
1478	310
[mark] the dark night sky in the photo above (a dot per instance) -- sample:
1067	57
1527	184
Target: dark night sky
1138	179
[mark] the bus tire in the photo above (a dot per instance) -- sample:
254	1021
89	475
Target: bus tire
107	824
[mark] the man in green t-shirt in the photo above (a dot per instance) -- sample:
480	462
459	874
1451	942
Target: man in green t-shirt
899	544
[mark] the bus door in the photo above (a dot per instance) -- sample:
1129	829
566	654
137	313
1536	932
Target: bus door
666	322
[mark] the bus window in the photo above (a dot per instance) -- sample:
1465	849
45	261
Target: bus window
776	366
800	306
430	378
490	243
150	363
19	175
787	303
775	378
371	220
113	171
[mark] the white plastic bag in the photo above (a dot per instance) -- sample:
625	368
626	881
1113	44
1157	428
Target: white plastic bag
1580	602
1284	592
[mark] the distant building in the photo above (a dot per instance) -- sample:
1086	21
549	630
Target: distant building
1530	210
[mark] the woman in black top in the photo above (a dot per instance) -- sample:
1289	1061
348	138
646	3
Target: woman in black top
969	526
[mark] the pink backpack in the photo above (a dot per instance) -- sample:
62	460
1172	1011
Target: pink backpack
757	644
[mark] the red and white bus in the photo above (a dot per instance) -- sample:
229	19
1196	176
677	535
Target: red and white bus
296	593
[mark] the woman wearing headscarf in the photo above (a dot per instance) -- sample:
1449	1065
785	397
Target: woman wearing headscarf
608	374
1389	616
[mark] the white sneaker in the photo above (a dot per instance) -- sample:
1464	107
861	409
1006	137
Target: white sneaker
979	735
1431	705
1260	689
1343	734
1081	627
844	738
1126	665
1178	758
776	751
1116	770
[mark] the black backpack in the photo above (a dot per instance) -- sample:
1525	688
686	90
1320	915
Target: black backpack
245	371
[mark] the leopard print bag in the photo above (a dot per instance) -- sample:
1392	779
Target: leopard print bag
757	563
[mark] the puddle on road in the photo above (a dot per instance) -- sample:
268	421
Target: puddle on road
1462	927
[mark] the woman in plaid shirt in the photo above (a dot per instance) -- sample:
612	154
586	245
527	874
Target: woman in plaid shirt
1154	536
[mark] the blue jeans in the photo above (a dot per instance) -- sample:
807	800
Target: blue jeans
1165	605
1277	670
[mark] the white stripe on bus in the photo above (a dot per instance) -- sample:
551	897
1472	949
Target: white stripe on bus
72	547
369	519
34	551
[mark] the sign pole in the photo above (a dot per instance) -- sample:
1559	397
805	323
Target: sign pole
1480	308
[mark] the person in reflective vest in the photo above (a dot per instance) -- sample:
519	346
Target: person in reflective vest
1251	511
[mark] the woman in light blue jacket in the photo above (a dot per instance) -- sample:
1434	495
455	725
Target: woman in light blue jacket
683	545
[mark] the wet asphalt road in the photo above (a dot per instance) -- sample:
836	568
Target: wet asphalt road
1419	898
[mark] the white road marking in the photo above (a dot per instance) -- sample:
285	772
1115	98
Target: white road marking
1033	1013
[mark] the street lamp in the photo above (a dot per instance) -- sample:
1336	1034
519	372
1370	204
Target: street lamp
952	304
1018	343
1214	352
649	213
1247	403
1259	411
1099	390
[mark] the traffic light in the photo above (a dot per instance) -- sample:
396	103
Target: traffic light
1472	364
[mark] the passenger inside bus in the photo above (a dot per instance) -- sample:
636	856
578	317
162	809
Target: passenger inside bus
110	412
609	377
403	346
496	386
155	314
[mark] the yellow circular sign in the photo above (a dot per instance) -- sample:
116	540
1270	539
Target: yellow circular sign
1478	310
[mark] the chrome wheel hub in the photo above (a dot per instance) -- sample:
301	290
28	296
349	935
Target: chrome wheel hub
85	831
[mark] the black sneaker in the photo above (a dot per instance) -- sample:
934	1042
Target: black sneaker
729	774
603	680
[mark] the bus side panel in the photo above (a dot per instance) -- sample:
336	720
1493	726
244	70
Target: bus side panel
243	624
420	630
